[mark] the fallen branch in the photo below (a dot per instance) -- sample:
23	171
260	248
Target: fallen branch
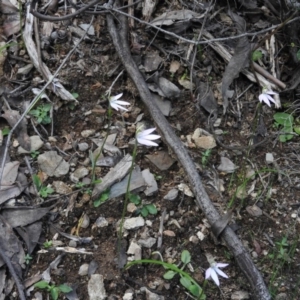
42	68
243	259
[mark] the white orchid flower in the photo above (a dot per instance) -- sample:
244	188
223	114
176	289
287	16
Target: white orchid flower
117	104
213	271
145	138
266	97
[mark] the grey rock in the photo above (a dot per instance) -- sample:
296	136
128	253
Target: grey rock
134	223
151	183
135	251
83	146
269	158
96	289
151	296
90	28
137	181
147	243
164	105
53	164
78	174
172	195
161	159
227	165
83	270
282	296
73	244
128	295
93	266
101	222
35	144
61	187
240	295
88	132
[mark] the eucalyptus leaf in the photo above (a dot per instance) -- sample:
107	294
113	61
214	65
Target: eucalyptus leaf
185	256
298	54
185	282
41	284
283	118
195	290
144	211
36	180
297	129
151	209
169	275
256	55
65	288
136	199
54	293
285	137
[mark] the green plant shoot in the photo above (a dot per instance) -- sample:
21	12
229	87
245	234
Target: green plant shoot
42	113
52	289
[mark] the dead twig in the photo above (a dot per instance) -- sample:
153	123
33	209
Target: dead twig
161	227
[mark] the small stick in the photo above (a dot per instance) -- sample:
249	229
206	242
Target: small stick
161	227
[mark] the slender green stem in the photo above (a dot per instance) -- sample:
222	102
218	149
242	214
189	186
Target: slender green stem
204	284
126	199
127	190
94	159
166	265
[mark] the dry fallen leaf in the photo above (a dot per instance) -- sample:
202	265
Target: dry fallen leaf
205	142
12	117
174	66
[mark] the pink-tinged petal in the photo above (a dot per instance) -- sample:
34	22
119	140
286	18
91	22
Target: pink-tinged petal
271	93
122	102
214	277
117	107
146	142
152	137
221	265
221	273
147	131
113	98
270	98
208	273
144	137
266	100
262	98
114	106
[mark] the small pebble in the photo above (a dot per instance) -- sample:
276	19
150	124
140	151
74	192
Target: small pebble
172	195
269	158
73	244
83	146
101	222
88	132
83	270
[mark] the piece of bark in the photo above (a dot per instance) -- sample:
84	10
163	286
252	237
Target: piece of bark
116	174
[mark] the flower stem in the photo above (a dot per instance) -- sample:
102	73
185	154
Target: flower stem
128	189
94	159
126	202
